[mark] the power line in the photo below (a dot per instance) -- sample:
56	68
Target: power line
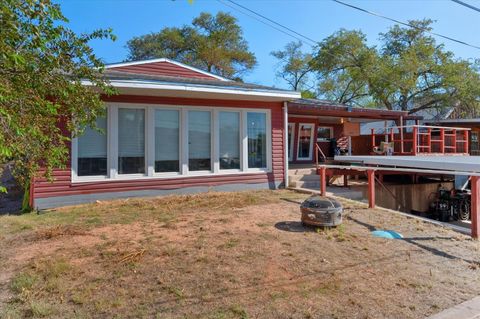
260	20
274	22
406	24
466	5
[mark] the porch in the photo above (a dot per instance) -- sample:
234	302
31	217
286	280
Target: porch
318	130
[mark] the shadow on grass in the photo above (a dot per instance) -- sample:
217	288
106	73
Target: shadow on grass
415	241
294	227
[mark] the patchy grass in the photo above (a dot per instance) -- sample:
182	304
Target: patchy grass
224	255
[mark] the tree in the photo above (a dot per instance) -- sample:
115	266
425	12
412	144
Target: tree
294	67
211	43
42	65
408	71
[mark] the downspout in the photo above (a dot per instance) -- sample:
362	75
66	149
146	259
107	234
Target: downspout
286	141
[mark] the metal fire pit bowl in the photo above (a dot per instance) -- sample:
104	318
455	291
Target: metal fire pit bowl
321	211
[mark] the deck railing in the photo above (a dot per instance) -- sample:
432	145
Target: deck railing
318	151
422	139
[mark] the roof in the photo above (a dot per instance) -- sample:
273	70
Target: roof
161	85
163	66
331	108
456	121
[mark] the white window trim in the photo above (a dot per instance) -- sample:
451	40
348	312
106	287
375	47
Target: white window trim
147	138
312	132
323	139
291	142
112	144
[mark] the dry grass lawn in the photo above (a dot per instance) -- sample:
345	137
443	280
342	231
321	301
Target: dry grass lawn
228	255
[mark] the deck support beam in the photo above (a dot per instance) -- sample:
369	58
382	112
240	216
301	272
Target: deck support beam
371	188
475	206
323	181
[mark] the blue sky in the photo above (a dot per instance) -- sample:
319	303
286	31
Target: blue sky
316	19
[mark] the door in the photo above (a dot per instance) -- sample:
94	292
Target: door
324	140
305	142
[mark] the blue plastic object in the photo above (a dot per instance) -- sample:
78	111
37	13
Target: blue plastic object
389	234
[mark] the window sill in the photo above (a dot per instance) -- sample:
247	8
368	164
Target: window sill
80	180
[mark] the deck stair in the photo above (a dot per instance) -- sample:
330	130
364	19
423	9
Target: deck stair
304	178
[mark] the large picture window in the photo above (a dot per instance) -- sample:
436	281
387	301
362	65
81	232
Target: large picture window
140	141
167	124
92	150
199	141
131	141
257	140
229	127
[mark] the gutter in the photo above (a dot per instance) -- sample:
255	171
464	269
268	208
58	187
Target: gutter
198	88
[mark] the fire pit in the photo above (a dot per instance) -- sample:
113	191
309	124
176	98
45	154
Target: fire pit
321	211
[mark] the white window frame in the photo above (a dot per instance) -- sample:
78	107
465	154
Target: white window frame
322	139
240	141
309	158
151	141
115	137
291	141
112	143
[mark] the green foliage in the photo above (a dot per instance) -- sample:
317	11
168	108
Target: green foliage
294	66
408	71
211	43
42	65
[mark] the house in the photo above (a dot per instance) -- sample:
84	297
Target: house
173	129
177	129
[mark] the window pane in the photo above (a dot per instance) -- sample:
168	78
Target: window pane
92	150
229	123
323	133
305	136
131	141
166	141
257	140
199	140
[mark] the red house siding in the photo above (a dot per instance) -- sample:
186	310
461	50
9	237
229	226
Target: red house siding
162	68
63	186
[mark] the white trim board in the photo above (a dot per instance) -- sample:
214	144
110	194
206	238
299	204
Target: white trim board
140	87
121	64
454	163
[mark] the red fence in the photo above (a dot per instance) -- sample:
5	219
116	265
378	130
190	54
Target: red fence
421	139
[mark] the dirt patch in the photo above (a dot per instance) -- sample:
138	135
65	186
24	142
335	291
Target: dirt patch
249	259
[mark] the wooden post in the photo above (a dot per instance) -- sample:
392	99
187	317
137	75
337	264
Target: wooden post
442	140
371	188
373	139
323	181
466	144
414	139
454	135
475	205
345	180
429	139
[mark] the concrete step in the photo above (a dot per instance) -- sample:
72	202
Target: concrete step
305	184
295	178
303	171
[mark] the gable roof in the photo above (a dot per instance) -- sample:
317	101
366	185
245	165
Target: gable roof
163	67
